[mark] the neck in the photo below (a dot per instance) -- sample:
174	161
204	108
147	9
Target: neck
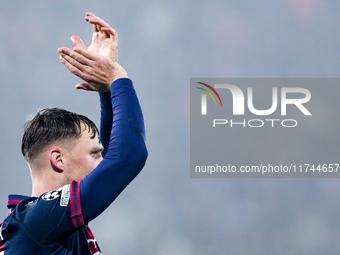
45	180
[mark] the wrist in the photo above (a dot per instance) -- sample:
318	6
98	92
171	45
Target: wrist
119	85
120	73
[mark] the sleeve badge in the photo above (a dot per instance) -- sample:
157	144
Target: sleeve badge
65	197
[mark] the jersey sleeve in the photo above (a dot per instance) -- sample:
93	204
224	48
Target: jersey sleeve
125	153
106	118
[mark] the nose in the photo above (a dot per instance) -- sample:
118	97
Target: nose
99	160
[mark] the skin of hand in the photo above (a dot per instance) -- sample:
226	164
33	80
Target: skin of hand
104	38
96	65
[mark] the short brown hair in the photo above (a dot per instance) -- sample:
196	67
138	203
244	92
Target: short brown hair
50	125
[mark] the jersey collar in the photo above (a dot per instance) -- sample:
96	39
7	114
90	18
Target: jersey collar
14	200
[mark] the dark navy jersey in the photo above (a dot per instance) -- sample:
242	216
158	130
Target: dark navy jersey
50	224
57	221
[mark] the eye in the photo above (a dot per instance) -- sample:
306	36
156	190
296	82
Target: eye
96	154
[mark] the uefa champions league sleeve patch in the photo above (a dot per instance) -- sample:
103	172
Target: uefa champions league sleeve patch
65	197
52	195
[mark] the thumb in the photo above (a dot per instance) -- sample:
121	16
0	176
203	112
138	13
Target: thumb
78	42
86	86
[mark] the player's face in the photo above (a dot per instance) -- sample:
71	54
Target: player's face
83	157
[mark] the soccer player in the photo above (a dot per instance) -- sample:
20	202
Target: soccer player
75	174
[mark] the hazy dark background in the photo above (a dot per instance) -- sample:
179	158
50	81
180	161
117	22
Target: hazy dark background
162	44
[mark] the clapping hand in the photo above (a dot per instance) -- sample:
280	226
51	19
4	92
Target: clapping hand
96	65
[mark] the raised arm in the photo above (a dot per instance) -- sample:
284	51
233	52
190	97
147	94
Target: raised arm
125	156
125	151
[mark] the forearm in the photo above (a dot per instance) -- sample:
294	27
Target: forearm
125	156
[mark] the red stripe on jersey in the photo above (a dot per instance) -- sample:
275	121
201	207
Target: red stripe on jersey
10	202
2	242
92	242
75	205
81	219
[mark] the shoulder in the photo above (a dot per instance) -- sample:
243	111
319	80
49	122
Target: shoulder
44	218
31	211
55	198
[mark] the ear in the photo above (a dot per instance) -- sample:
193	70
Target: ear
56	160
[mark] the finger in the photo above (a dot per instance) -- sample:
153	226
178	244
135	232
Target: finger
86	54
77	42
99	24
76	59
72	68
76	55
81	86
68	61
98	21
85	86
109	30
96	28
89	15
